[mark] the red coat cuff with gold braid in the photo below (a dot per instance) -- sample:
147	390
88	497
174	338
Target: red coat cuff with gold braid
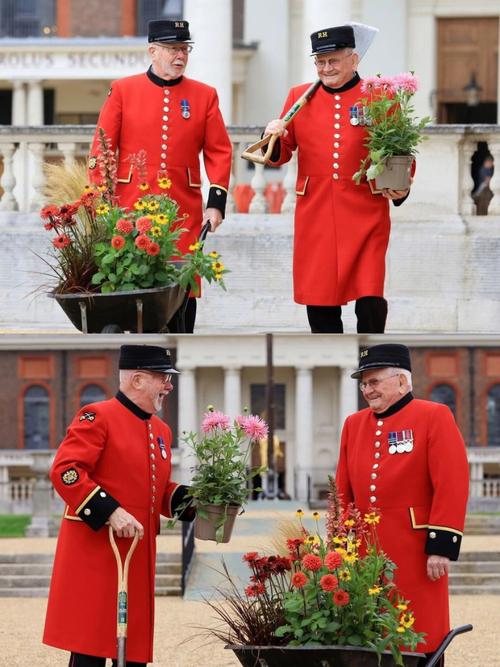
217	197
443	542
179	497
97	508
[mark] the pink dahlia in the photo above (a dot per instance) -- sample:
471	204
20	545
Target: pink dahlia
213	420
406	82
254	427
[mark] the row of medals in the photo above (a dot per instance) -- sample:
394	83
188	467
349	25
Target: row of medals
359	116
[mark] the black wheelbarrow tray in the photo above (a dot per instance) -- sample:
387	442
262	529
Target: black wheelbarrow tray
137	311
334	656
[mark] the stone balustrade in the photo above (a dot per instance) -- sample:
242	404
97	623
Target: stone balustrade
443	183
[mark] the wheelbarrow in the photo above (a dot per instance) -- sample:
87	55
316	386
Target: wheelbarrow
138	311
335	656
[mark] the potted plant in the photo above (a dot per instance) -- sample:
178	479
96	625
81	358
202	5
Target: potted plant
393	131
220	485
107	258
321	600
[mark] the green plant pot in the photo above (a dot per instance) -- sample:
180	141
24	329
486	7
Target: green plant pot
396	174
317	656
205	529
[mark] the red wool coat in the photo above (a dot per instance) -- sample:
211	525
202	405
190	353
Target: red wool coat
112	456
341	229
143	112
421	495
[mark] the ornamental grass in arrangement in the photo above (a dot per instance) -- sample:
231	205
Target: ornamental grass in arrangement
329	587
98	246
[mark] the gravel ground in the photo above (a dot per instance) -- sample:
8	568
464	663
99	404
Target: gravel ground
21	627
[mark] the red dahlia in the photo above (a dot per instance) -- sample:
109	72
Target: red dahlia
299	580
341	597
333	560
153	248
117	242
312	562
142	242
61	241
329	582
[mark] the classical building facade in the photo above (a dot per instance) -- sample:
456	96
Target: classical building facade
50	379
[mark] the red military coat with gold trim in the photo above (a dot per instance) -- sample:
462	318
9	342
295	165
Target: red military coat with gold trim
412	466
114	454
341	229
173	122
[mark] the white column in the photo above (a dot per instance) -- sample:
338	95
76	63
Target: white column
18	103
422	52
303	429
232	392
68	149
258	183
319	14
210	24
35	103
289	183
187	419
8	180
348	398
37	180
387	54
467	149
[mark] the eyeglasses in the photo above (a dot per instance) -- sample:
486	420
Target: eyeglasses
374	382
322	63
164	377
177	49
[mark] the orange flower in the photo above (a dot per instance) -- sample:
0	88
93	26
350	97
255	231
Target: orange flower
118	242
299	580
329	582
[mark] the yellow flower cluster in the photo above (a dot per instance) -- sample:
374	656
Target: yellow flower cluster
405	620
372	518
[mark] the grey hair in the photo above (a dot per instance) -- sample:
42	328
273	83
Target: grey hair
403	371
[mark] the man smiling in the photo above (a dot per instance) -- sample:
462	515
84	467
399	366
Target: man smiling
174	119
406	457
341	229
113	467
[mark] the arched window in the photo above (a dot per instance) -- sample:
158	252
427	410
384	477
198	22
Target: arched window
36	418
445	393
494	416
91	394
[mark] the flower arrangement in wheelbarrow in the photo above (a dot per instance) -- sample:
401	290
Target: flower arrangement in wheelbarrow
332	590
394	132
220	485
99	246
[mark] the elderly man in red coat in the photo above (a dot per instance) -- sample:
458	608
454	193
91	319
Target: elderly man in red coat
113	466
173	119
406	457
341	229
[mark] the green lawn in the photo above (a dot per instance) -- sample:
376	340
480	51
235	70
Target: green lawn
13	525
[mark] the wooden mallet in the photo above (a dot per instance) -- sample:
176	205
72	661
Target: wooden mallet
122	603
269	140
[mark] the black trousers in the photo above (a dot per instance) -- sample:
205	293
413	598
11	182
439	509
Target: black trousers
81	660
371	313
176	325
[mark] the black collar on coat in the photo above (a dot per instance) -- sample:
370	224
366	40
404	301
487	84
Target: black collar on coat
347	86
395	407
158	81
130	405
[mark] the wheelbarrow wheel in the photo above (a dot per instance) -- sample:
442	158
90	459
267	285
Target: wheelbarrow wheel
112	329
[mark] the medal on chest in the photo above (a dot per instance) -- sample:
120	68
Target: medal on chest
162	446
400	442
358	115
185	109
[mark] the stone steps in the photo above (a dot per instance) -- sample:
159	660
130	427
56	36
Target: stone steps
28	575
476	573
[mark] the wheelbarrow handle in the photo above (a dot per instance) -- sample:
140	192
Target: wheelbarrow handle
204	231
446	642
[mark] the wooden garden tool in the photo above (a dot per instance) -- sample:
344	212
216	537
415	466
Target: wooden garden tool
122	604
253	152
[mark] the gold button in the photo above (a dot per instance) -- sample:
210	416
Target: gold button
164	127
153	477
152	457
373	499
86	511
432	535
377	444
164	117
163	156
336	126
166	109
151	436
336	144
454	538
336	136
377	455
153	467
337	97
373	475
337	106
337	116
380	422
163	165
164	136
372	487
378	432
335	155
375	466
102	494
152	445
336	177
335	165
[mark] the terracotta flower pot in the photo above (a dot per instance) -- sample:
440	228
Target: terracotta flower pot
397	173
205	529
317	656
